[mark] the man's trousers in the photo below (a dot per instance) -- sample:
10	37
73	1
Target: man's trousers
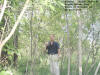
54	65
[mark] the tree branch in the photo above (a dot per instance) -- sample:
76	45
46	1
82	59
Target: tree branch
3	9
97	69
14	27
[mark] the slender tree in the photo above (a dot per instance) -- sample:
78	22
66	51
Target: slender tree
79	42
97	69
78	11
68	41
3	9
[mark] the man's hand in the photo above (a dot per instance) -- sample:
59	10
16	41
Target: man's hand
46	44
59	54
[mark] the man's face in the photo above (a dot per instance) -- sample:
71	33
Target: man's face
52	37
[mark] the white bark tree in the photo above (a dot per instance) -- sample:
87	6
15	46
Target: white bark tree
3	9
68	42
97	69
2	43
79	42
79	38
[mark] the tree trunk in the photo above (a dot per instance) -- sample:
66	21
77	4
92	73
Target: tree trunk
79	42
68	42
3	10
15	41
97	69
14	27
78	11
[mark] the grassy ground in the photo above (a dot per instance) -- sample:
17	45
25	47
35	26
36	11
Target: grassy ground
41	67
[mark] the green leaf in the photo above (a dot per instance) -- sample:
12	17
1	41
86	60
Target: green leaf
52	7
62	4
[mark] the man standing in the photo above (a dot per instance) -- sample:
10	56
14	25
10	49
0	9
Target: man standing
53	51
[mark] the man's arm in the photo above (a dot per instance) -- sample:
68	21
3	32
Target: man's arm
46	47
58	52
58	47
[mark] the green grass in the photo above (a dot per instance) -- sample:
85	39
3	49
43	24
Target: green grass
42	68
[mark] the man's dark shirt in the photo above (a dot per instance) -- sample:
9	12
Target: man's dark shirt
53	49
